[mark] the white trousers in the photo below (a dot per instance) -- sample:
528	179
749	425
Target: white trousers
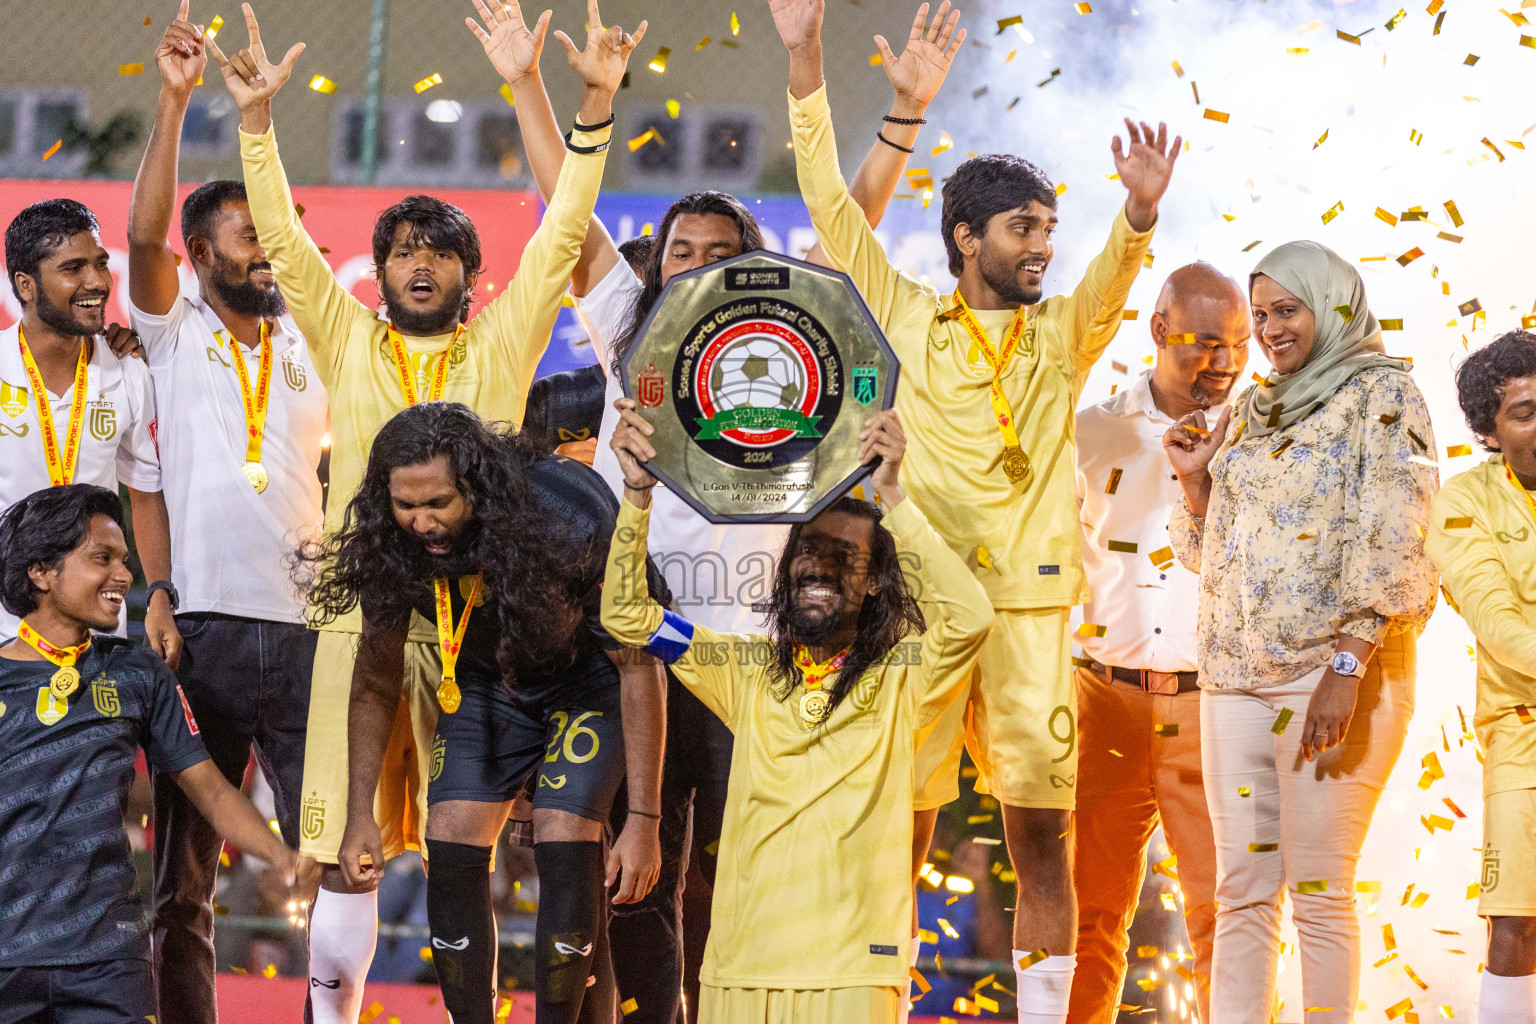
1284	825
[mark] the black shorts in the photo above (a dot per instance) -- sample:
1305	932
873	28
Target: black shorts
107	992
572	737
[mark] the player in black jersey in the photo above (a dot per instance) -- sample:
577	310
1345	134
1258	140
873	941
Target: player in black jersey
74	705
469	526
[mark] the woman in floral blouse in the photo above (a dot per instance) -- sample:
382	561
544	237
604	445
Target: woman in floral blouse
1305	512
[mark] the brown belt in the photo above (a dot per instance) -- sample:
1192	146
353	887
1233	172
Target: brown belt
1146	679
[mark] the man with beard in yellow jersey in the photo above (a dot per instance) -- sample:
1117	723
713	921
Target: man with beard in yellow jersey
427	257
990	379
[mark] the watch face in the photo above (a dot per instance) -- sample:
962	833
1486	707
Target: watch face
1345	663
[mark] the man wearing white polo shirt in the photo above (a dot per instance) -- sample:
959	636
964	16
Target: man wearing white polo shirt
242	422
95	423
1138	726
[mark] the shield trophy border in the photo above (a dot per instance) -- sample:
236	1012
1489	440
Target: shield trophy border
887	394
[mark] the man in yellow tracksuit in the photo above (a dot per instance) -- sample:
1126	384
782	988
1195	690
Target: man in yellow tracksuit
990	378
428	259
1482	537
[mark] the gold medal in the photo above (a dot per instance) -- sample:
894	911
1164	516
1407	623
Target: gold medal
65	681
1015	463
448	696
256	473
815	700
813	705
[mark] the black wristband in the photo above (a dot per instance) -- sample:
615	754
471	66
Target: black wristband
583	149
593	127
170	592
642	814
888	119
632	487
888	142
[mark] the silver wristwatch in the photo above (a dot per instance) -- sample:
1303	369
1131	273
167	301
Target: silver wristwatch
1346	664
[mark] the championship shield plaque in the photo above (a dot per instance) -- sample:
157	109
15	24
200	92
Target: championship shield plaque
758	373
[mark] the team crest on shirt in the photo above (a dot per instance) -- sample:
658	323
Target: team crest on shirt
439	748
215	355
293	373
103	420
1490	879
13	399
312	817
104	697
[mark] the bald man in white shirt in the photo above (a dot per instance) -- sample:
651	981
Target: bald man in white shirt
1137	690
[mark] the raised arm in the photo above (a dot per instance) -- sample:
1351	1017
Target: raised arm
514	49
523	316
377	681
152	282
322	308
917	75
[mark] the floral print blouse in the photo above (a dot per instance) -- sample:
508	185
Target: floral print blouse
1314	530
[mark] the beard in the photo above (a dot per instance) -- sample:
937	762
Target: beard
461	560
62	319
1208	398
813	625
426	323
234	287
1002	278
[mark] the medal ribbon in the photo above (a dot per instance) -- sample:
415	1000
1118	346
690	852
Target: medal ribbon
814	673
64	657
998	361
61	471
407	377
1515	482
255	405
450	637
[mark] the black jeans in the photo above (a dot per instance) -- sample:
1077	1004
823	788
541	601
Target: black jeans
247	681
646	938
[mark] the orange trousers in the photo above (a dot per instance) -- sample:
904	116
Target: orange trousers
1134	769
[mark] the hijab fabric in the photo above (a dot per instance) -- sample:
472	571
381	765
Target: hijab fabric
1347	339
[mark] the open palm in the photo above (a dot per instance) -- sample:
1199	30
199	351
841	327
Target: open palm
922	67
798	21
601	65
1147	166
512	47
251	77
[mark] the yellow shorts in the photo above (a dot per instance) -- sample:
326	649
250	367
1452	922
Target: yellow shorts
1020	723
400	805
1509	855
872	1004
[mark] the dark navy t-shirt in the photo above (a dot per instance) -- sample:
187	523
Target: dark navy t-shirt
68	894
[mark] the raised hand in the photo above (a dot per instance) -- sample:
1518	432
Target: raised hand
1145	170
601	65
511	45
919	72
798	21
883	438
180	55
253	79
1192	443
630	444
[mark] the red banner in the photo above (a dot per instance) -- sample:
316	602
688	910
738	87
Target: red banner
339	219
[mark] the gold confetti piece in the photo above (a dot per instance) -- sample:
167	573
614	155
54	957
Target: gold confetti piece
702	43
1472	59
1116	753
1123	546
1449	237
1061	189
1252	245
924	935
629	1006
1453	213
136	68
298	208
1456	450
977	94
1528	41
983	556
1333	211
990	1005
1409	256
1344	311
1469	307
53	149
1347	37
1283	446
1178	69
1055	74
1524	714
1416	439
1439	20
1129	314
1391	325
1494	148
875	60
1002	23
658	63
1528	322
979	819
1263	847
1446	1012
1083	8
1456	811
1321	139
1518	19
1474	891
1314	886
1194	87
1297	50
1167	731
1114	480
1311	26
948	928
1396	19
1415	136
506	94
1367	887
674	109
224	858
322	84
1416	213
427	83
1385	960
733	44
269	972
946	143
735	24
1281	721
1089	629
1146	261
1458	522
1397	1009
1216	115
374	1009
921	982
239	970
641	139
1162	557
1118	367
1011	54
1185	338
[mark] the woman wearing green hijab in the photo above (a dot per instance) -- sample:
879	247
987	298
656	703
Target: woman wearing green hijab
1305	511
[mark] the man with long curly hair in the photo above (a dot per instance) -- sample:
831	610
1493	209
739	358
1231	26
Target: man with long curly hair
813	896
470	527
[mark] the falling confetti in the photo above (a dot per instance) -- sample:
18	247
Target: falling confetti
658	63
428	82
53	149
322	84
136	68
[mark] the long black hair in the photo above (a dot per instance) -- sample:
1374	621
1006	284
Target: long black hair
650	277
532	574
887	616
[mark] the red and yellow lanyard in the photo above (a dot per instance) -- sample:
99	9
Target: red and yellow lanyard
254	403
450	637
407	376
1015	462
61	469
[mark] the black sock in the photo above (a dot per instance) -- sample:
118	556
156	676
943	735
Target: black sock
463	929
598	1006
569	925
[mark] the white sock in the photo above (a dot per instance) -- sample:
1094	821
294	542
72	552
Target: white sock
1505	1000
1044	987
906	1004
343	930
